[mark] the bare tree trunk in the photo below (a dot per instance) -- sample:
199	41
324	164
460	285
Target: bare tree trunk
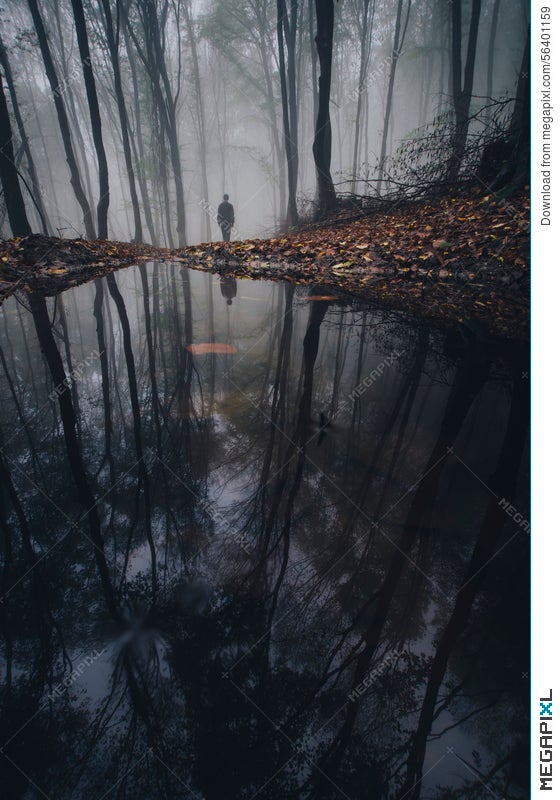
164	187
462	87
44	159
153	20
74	103
517	171
80	136
37	195
314	84
271	107
398	42
491	46
521	111
113	44
365	53
200	123
139	150
432	45
444	36
95	117
322	143
286	32
57	91
13	198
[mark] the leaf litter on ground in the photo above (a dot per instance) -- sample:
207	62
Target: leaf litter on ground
453	259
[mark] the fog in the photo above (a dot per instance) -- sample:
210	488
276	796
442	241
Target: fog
215	68
263	506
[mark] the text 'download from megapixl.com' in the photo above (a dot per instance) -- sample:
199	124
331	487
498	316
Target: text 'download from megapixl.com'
547	118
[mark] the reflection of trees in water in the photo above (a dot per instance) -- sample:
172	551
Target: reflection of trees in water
503	483
276	596
73	451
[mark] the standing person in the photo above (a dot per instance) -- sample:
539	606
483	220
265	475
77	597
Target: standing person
226	218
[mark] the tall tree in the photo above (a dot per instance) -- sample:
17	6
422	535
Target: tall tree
57	91
286	25
364	12
322	143
137	143
61	38
398	41
200	118
13	198
95	117
491	48
32	169
519	129
462	86
153	18
112	34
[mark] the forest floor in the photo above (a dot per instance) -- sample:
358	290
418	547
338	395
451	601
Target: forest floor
457	259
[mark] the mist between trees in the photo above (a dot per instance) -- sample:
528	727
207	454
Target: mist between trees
129	119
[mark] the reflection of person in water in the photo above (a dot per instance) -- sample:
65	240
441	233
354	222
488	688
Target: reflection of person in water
228	287
226	218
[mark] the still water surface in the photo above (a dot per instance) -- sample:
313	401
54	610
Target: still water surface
274	547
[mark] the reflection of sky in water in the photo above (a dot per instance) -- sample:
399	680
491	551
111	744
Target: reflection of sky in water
290	559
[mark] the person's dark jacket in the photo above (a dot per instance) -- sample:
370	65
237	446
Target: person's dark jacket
226	215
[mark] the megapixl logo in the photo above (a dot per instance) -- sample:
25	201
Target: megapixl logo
545	742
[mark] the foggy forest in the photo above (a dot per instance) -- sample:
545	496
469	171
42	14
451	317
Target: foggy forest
264	399
131	119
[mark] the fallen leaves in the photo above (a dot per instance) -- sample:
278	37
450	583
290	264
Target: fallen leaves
448	259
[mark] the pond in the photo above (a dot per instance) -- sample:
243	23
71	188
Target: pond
259	541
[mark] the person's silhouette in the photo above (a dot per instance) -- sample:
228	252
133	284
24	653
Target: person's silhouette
226	218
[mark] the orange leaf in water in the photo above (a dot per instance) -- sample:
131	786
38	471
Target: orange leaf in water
210	347
320	297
